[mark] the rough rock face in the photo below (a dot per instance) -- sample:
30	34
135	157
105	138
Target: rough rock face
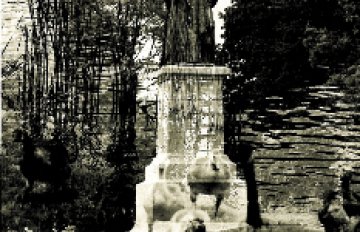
302	145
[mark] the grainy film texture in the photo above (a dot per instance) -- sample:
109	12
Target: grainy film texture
180	115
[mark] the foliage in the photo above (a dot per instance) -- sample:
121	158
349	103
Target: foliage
332	38
349	79
68	46
265	37
332	34
276	45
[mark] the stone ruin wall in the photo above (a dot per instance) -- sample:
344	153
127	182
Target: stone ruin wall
300	147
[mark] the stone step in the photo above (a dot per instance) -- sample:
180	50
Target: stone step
210	226
232	227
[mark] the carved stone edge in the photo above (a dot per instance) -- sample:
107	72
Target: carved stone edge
190	69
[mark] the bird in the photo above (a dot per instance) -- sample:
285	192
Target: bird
351	198
47	162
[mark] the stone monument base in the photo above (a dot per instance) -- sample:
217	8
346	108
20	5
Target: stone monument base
210	227
164	204
190	177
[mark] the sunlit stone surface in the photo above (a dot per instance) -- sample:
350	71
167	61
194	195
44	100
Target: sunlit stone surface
189	142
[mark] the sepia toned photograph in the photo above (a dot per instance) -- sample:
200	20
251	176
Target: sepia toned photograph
180	116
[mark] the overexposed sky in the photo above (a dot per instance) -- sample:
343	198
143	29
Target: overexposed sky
219	23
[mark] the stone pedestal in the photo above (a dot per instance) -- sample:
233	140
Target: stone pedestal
190	157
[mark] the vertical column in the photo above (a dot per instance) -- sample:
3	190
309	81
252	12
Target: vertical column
190	113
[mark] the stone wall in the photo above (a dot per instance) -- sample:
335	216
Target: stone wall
301	144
